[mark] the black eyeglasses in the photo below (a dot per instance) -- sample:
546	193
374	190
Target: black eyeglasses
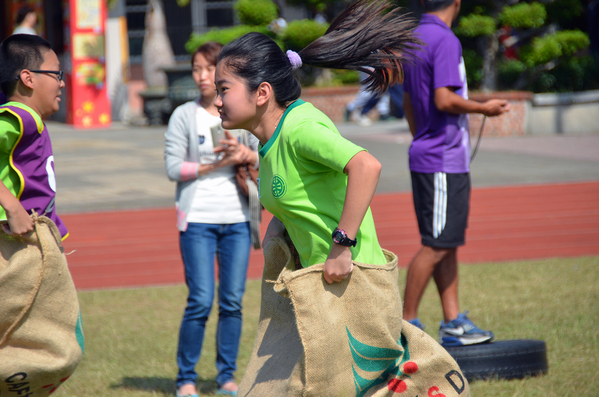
59	73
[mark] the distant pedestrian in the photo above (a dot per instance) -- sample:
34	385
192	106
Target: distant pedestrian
364	101
26	21
389	105
213	219
436	106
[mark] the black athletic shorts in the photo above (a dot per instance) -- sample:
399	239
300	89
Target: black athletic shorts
442	202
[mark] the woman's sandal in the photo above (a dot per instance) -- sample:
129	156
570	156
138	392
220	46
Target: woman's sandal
223	392
187	395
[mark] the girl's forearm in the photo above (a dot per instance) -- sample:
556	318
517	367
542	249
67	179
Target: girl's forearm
363	172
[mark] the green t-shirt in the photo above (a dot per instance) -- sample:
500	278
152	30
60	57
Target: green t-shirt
302	183
10	133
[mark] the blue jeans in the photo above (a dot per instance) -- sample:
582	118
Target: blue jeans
199	243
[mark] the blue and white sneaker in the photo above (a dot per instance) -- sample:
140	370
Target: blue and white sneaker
462	332
417	323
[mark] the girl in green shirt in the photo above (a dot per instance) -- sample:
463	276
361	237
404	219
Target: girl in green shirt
318	186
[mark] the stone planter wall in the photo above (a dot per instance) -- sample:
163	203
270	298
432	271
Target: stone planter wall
514	123
529	114
331	101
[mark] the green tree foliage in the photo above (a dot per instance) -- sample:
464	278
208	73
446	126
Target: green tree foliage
302	32
523	15
256	12
546	37
255	16
551	47
223	36
475	25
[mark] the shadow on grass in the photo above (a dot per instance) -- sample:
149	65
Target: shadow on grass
163	385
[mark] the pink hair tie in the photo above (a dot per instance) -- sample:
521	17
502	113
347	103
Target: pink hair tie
294	59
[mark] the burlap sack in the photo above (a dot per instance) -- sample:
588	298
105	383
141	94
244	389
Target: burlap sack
344	339
41	339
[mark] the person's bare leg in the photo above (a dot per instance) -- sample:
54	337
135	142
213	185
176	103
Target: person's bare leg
419	273
446	278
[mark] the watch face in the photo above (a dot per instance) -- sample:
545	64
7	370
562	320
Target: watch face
337	236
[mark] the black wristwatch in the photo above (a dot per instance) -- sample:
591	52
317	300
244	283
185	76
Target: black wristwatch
340	237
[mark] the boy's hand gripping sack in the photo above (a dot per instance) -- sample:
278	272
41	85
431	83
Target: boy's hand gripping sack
41	338
343	339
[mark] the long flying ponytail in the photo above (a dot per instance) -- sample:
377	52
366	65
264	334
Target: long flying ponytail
370	36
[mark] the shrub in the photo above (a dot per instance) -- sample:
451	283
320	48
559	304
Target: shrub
475	25
256	12
572	41
547	48
524	15
223	36
541	50
302	32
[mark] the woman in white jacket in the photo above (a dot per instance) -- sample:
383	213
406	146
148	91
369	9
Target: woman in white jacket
213	219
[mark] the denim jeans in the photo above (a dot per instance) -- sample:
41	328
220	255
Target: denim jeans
199	244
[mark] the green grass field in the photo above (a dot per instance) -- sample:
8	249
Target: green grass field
131	334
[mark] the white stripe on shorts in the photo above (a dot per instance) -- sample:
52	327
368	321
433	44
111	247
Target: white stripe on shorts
440	209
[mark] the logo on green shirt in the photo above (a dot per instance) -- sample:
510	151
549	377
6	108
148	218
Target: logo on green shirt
279	187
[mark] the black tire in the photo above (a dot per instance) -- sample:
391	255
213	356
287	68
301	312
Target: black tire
508	359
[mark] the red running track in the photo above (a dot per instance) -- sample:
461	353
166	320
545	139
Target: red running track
141	248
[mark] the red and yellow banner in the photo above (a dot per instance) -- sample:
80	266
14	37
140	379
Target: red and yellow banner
88	104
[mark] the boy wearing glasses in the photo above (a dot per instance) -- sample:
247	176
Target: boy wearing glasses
32	82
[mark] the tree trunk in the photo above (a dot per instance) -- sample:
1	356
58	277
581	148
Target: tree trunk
491	47
156	51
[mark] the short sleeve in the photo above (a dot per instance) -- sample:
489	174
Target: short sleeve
446	63
321	149
10	131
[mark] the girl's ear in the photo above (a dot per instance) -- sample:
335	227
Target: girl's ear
264	93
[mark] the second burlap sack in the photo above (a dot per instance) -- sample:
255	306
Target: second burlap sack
343	339
41	337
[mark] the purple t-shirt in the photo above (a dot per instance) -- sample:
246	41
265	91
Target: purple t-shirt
441	143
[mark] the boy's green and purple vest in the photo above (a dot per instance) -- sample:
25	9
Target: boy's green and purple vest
33	161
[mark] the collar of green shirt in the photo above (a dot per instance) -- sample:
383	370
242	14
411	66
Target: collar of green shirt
273	138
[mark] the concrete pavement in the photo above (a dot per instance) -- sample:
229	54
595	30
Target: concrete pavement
122	167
